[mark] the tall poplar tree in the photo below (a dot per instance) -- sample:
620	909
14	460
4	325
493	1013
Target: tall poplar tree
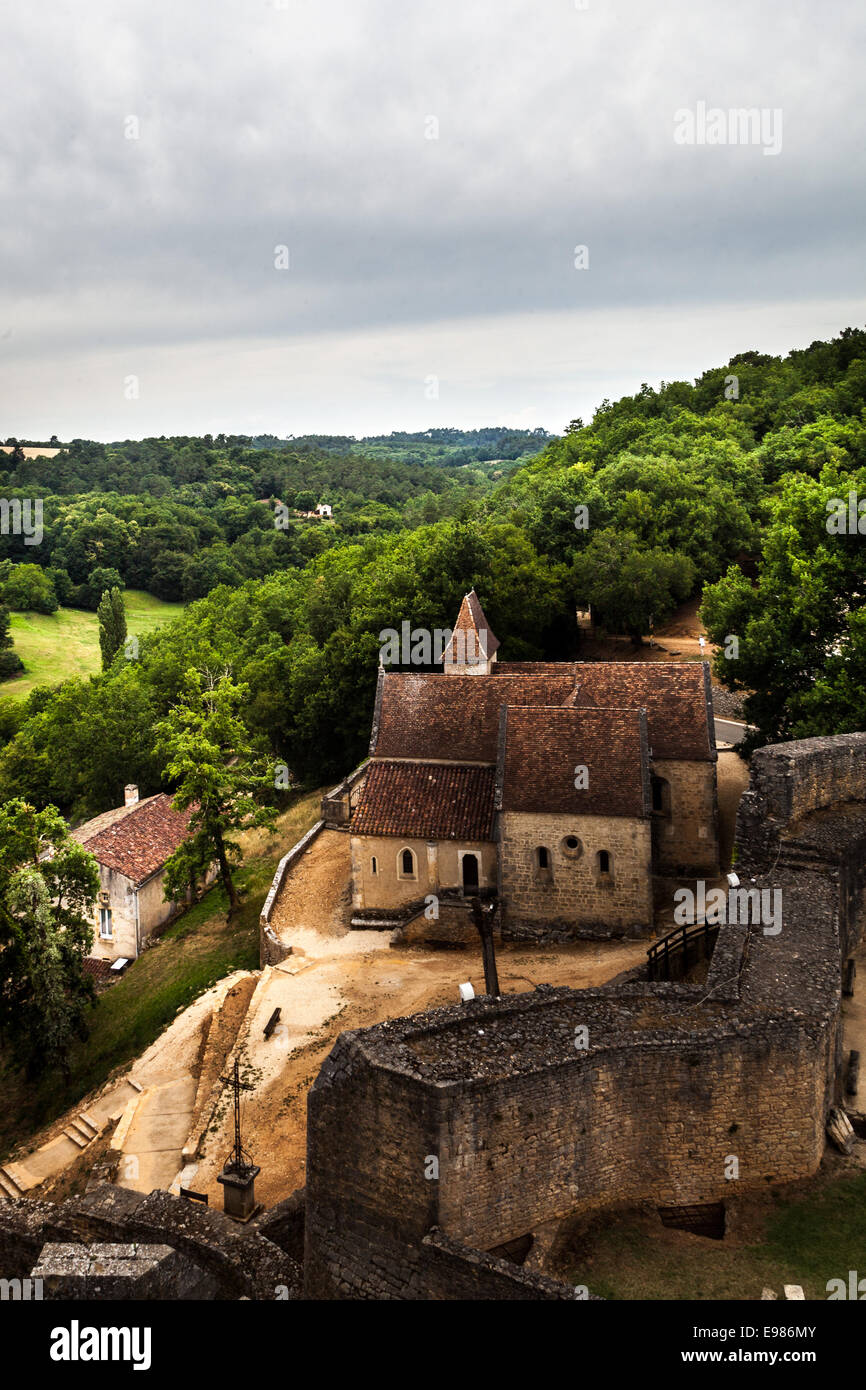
112	625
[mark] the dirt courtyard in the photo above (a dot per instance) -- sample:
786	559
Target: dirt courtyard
337	979
353	989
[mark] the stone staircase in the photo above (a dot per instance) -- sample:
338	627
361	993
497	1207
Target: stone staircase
82	1129
8	1185
385	918
451	900
18	1179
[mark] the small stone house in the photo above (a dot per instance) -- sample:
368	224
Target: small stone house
563	787
131	845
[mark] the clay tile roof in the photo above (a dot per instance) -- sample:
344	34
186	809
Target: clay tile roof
431	715
431	801
97	969
139	839
544	747
675	695
535	668
471	620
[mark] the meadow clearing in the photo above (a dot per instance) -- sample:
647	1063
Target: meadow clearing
57	646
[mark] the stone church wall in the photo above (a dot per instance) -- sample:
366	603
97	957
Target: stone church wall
687	841
437	865
572	897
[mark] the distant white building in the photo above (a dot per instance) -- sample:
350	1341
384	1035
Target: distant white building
325	509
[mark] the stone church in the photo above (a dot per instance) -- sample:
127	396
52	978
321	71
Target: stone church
560	787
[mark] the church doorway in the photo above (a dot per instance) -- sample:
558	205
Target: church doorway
469	869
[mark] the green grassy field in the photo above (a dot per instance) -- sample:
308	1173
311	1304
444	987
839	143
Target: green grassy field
66	643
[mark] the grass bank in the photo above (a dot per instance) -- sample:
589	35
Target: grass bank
200	948
57	646
805	1233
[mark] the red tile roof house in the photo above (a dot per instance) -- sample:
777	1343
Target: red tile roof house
131	845
561	787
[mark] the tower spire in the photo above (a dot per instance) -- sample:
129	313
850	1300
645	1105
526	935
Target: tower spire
473	645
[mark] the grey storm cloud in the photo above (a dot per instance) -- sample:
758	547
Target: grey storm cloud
304	124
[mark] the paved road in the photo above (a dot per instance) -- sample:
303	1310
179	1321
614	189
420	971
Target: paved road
729	730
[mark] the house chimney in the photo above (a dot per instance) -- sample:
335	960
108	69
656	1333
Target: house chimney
130	795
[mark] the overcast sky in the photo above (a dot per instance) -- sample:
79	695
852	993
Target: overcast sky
415	264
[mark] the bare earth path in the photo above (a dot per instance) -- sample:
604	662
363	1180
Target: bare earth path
317	892
353	986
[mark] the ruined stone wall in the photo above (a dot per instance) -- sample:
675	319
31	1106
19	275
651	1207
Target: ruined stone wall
644	1114
572	897
791	780
687	841
238	1261
852	897
361	1259
372	1154
371	1228
650	1121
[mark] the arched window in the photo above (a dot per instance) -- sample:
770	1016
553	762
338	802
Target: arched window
542	858
374	868
406	864
603	861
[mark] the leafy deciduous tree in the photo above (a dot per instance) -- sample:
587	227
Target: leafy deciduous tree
223	781
48	885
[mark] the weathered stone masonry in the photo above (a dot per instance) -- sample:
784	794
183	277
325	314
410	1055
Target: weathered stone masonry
218	1258
528	1129
545	903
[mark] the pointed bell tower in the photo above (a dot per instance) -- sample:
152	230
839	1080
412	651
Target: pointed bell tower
472	648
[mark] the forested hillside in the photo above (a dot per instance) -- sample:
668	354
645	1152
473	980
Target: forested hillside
179	516
722	484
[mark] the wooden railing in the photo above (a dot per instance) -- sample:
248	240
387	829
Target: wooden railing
668	958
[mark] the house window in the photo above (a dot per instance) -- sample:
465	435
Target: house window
603	861
373	866
105	921
542	857
406	864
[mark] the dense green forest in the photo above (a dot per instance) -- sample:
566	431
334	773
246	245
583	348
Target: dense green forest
721	485
451	448
179	516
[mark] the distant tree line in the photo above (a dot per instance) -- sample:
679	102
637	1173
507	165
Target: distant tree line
719	487
177	517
